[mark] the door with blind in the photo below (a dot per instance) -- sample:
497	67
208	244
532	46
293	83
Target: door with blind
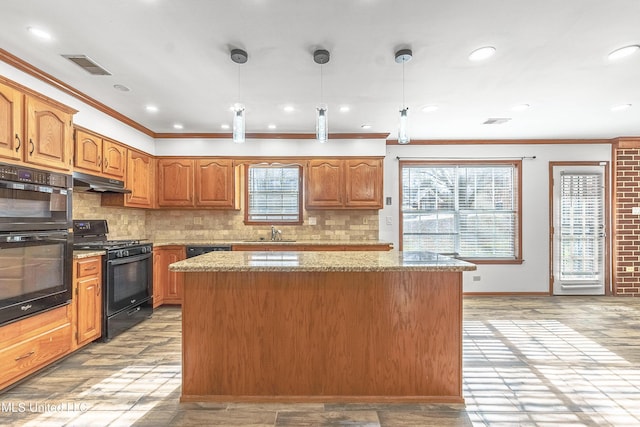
579	230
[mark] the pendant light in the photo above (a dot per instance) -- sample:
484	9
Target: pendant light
402	56
238	56
321	57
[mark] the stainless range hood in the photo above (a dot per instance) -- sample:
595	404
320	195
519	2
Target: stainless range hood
83	182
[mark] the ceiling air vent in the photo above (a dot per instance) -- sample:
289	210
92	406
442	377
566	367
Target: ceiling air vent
87	64
496	121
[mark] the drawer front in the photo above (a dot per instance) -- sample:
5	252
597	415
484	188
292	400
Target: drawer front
88	267
23	358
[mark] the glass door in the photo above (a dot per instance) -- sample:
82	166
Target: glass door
579	230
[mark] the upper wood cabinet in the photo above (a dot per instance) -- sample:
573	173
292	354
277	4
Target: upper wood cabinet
363	182
11	130
140	179
175	183
48	138
215	183
100	156
344	184
325	183
200	183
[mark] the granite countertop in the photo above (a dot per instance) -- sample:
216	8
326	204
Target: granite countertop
79	254
345	261
284	242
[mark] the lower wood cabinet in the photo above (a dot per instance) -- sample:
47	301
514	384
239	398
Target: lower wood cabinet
167	285
87	299
32	343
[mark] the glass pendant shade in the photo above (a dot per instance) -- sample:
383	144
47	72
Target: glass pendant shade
403	128
321	124
238	123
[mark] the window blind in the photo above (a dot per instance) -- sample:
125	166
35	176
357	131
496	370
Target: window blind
465	210
273	194
581	226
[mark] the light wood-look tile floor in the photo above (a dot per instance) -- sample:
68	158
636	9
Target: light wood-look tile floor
528	361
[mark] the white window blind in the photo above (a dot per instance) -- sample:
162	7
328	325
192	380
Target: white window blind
581	226
273	194
469	211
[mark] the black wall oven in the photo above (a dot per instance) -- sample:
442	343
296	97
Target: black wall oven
35	245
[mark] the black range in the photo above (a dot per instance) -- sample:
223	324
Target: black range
127	276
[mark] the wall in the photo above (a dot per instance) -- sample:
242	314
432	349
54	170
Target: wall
533	275
627	197
124	223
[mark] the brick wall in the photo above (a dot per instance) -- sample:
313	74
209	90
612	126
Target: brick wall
626	277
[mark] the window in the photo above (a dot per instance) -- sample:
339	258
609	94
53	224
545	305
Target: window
468	210
273	194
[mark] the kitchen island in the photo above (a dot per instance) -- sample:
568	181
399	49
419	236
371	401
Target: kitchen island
322	327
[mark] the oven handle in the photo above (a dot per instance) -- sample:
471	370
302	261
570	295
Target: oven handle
34	237
11	185
129	259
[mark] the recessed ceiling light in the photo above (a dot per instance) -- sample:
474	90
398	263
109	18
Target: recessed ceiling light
151	108
40	33
272	126
482	53
121	88
288	108
366	126
178	126
520	107
224	126
344	109
621	107
623	52
429	108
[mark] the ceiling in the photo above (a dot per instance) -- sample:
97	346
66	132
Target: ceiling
175	55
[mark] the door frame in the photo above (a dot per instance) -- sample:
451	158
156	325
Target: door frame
607	220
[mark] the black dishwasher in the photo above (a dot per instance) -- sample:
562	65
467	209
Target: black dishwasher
195	250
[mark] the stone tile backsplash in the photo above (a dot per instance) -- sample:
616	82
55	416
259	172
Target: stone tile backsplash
182	224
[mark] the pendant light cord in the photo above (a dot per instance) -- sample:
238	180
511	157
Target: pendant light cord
403	84
321	85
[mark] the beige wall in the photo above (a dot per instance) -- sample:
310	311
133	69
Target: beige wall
181	225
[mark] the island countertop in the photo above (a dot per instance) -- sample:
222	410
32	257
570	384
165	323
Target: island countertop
309	261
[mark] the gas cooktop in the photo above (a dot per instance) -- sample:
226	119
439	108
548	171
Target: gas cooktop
108	244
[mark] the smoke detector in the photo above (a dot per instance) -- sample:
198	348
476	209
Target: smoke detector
239	56
321	56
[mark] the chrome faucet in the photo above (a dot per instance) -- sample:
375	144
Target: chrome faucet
275	234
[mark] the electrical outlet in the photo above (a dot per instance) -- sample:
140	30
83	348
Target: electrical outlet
635	210
388	201
312	220
389	220
629	269
365	220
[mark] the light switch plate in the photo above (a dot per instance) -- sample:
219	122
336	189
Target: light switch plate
635	210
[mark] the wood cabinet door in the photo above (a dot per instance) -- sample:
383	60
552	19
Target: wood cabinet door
324	184
169	282
88	151
363	183
115	159
48	134
11	136
139	179
175	182
89	306
214	183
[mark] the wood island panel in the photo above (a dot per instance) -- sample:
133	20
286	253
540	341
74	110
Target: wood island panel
391	336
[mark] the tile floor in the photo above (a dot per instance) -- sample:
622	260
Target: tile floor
528	361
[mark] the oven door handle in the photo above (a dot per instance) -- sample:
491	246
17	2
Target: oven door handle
34	237
30	187
129	259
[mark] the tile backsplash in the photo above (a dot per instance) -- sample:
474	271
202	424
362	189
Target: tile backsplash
182	224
